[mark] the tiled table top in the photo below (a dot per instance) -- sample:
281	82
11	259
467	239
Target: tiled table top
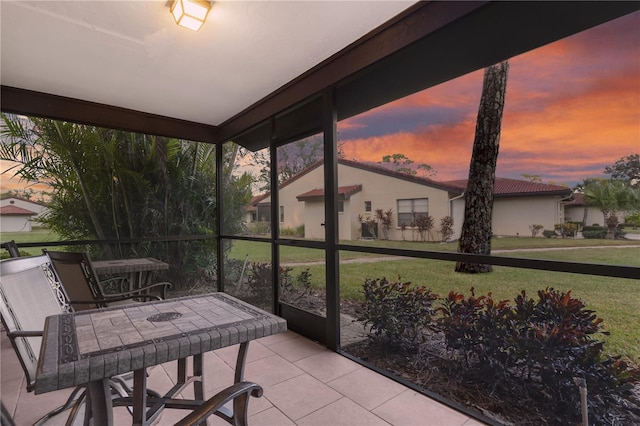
92	345
121	266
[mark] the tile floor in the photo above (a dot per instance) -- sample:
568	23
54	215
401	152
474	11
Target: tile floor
304	384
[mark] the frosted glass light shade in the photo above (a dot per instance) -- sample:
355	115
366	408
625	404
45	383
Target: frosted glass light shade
190	13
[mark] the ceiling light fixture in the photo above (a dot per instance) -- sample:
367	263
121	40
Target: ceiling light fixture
190	13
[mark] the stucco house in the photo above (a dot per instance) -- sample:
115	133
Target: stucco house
364	188
576	208
17	214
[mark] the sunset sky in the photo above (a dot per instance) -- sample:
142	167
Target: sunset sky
572	108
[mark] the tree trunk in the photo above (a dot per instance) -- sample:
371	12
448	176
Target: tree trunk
476	228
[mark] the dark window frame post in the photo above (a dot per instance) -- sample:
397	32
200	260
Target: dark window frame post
329	124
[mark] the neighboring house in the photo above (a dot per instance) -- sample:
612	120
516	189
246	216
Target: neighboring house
17	214
518	204
254	214
364	188
575	209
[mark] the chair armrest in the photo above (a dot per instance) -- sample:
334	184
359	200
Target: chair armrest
240	390
24	333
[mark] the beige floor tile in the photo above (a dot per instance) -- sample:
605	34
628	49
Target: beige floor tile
9	392
270	417
343	412
10	367
31	407
296	349
256	405
256	351
217	374
271	370
473	422
171	417
293	390
411	408
300	396
326	366
159	380
367	388
277	338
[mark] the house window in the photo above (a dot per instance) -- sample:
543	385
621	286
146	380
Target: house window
281	214
340	206
409	209
367	206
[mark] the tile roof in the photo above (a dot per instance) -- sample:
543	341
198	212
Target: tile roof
577	200
15	211
9	196
505	187
344	192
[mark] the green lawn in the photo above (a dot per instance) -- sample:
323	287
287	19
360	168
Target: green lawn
260	252
35	235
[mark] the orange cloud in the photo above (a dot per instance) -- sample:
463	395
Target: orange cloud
572	108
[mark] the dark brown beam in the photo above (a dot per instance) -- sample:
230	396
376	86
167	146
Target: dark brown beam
28	102
408	27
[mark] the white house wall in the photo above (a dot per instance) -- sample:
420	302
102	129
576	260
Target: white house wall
348	225
512	216
576	214
313	219
383	191
15	223
457	212
294	212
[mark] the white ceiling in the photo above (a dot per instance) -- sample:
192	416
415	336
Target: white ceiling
131	54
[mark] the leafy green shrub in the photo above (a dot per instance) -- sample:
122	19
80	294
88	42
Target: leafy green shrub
298	231
599	234
398	313
632	220
424	223
555	344
539	346
594	227
258	228
258	288
549	233
567	229
259	282
476	327
619	234
446	228
535	229
294	289
5	254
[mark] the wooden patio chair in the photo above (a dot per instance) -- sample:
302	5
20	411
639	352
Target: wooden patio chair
81	283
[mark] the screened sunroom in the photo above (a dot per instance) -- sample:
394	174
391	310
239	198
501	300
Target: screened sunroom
249	157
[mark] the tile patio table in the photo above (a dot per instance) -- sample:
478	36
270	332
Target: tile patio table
138	269
89	347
